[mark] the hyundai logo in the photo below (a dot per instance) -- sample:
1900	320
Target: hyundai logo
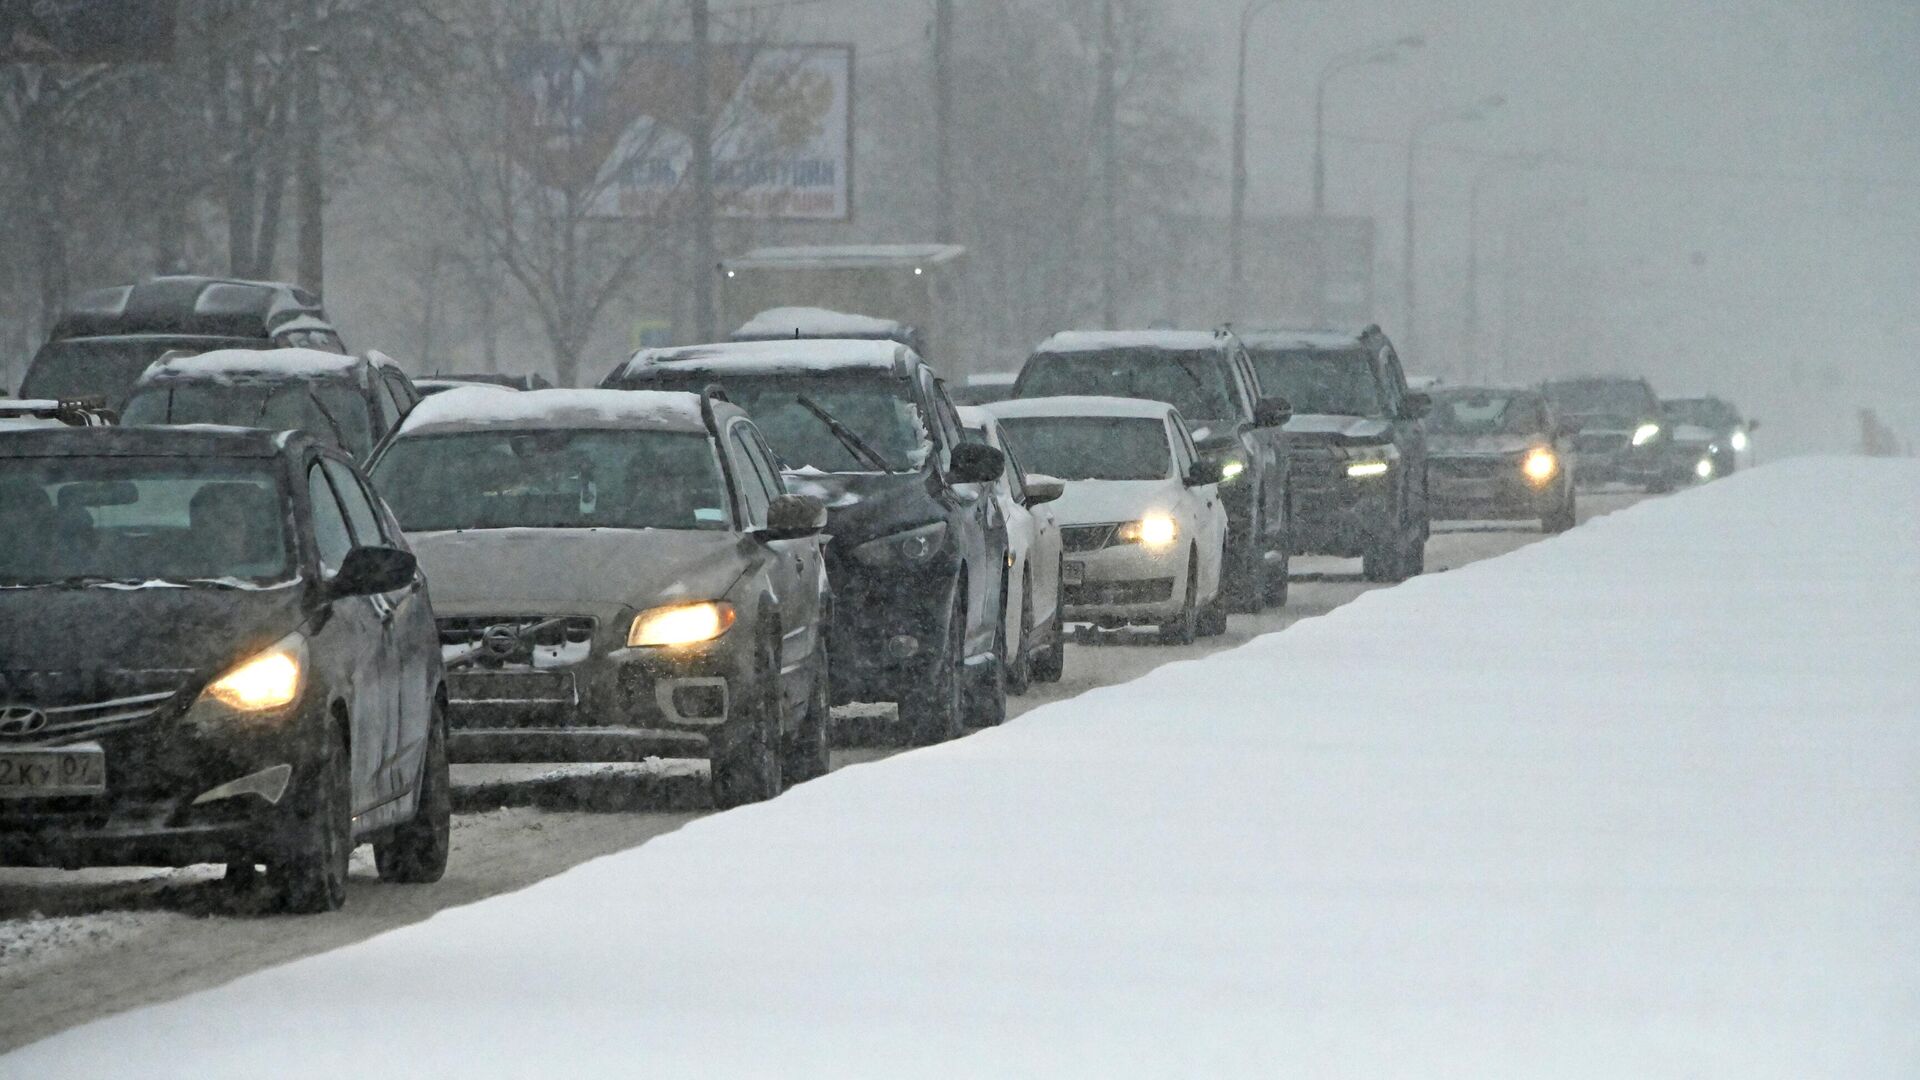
501	640
19	720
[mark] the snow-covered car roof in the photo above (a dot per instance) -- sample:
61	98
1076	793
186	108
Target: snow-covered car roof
993	378
800	356
431	384
1284	338
849	256
26	423
1079	405
1074	341
473	408
248	365
813	322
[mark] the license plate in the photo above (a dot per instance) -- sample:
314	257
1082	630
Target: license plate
1074	573
66	770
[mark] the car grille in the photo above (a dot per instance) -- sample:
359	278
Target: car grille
1601	442
1473	468
1312	466
547	630
1150	591
120	700
1079	539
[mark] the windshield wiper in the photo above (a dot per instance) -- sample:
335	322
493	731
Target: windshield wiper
855	445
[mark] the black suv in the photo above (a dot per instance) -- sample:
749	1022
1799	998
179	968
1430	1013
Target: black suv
918	556
215	646
347	401
1359	449
1623	435
1207	377
107	337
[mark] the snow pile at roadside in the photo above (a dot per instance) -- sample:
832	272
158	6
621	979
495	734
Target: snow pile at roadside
1638	801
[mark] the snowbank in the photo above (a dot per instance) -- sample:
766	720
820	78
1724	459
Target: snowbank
1638	801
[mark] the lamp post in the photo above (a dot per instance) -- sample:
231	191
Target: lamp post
1387	53
1480	179
1421	125
1237	215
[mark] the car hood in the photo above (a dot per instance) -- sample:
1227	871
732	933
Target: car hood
1330	427
153	627
1097	502
864	506
1475	445
540	570
1689	433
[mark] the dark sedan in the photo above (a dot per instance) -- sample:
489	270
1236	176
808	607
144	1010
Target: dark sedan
1499	455
214	647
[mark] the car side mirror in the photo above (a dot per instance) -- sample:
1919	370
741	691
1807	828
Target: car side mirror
1204	472
370	571
976	463
1044	489
791	517
1417	406
1272	412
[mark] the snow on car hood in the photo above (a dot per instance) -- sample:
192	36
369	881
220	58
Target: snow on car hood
1319	426
861	506
532	570
1482	444
1096	502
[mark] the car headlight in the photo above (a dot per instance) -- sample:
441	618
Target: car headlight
1703	468
270	679
1739	440
916	547
1230	468
1645	434
1154	531
1540	464
1367	461
680	624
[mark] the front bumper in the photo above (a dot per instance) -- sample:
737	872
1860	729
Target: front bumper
1127	583
1342	515
1489	488
887	626
1609	457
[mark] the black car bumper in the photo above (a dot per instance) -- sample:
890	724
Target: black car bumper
1343	516
1490	488
888	627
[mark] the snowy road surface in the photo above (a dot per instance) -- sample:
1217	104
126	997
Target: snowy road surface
78	946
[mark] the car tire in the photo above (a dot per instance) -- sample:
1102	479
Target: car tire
308	875
1242	578
746	769
1213	618
931	710
1020	664
1050	663
1280	578
416	853
809	754
1562	517
1186	625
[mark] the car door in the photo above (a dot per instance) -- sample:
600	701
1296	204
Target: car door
1409	431
981	535
784	561
356	636
412	640
1270	468
1206	512
1043	543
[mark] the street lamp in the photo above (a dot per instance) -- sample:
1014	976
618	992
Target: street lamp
1421	124
1236	252
1387	53
1522	165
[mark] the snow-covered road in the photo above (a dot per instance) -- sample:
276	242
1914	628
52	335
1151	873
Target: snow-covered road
78	946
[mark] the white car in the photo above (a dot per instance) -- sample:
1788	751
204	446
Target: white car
1141	521
1035	608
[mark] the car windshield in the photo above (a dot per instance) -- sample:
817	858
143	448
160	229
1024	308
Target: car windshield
1194	382
554	479
876	408
1092	447
108	367
1476	412
334	412
133	520
1611	397
1323	381
1700	412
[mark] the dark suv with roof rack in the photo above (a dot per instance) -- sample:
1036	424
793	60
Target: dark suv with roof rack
351	402
107	337
1204	374
918	555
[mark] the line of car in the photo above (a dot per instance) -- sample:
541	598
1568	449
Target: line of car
217	641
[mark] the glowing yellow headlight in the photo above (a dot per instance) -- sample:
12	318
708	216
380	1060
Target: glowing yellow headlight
267	681
1540	464
1154	530
681	624
1232	469
1362	469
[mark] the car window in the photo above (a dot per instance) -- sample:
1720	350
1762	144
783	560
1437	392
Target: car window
765	463
753	485
1193	381
1336	382
1183	452
331	538
361	515
946	420
383	401
1094	447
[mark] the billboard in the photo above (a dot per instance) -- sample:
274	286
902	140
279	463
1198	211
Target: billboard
85	31
611	124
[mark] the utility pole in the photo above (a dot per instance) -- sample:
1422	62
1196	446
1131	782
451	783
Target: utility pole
704	259
1106	119
1410	341
1237	215
943	120
311	193
1473	352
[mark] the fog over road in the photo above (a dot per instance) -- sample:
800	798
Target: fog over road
75	946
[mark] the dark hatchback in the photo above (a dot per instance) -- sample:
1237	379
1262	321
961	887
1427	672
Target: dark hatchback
214	647
917	558
107	337
1500	454
1207	377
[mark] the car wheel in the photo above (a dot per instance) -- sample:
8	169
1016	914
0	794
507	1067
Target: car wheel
309	874
1020	664
931	709
747	768
416	853
1213	617
1050	663
1562	517
1186	625
1241	578
1280	578
809	752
